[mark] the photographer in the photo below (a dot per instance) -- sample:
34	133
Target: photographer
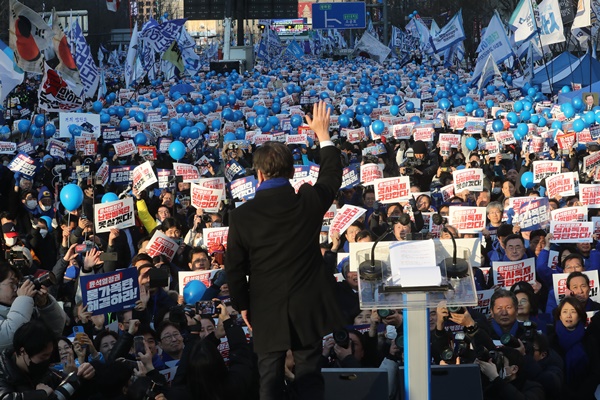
344	349
420	166
25	371
19	302
506	378
202	373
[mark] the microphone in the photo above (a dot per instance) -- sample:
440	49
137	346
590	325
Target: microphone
455	267
372	270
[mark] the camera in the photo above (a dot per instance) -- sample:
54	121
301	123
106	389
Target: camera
384	313
342	339
84	247
530	331
509	340
460	349
47	279
67	387
206	218
456	309
208	307
16	259
409	170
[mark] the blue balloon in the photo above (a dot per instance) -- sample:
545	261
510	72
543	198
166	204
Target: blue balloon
261	121
229	136
177	150
378	127
140	139
410	106
497	125
39	120
50	130
394	110
97	106
296	120
344	121
527	180
23	125
124	124
193	292
512	117
120	111
108	197
578	125
523	129
71	197
216	125
471	143
104	118
140	116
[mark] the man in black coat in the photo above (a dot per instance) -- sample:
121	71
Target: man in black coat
288	300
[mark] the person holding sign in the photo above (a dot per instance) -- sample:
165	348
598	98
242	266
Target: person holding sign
289	301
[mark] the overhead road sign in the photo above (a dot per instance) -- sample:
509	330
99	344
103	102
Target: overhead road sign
339	15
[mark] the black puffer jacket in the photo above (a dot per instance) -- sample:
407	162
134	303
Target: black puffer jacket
17	385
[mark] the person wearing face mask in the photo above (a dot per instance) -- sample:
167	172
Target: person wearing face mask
509	382
44	175
25	369
43	244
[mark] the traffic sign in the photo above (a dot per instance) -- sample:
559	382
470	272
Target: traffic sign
339	15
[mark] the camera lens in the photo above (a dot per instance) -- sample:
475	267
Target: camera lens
384	313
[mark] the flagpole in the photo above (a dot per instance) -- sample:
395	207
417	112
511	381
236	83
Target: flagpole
543	57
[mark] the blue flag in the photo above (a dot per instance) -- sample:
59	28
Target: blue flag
88	72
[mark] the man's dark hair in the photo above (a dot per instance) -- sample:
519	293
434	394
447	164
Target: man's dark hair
537	233
34	337
142	240
577	274
503	293
141	257
198	250
512	237
573	256
274	160
164	325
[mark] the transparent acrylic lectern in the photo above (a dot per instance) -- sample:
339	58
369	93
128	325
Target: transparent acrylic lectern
380	287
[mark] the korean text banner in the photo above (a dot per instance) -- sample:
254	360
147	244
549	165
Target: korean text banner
110	292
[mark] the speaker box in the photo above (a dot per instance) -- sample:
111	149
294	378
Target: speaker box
226	66
355	383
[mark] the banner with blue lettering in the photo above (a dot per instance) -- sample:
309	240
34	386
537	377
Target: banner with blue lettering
122	175
111	291
160	37
88	72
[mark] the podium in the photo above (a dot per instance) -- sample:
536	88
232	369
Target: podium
380	286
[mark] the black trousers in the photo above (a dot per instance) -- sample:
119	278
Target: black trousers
309	382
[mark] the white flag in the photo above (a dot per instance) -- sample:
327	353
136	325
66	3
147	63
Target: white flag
489	71
549	22
583	18
453	32
521	21
131	57
369	44
493	41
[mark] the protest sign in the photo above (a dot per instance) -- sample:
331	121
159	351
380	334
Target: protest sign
345	217
423	132
447	192
87	122
391	190
596	222
295	139
589	195
205	198
215	238
507	273
233	170
243	188
162	244
484	298
125	148
434	230
579	213
329	215
355	135
117	214
560	185
545	169
143	176
589	162
559	282
467	219
470	179
505	137
23	164
25	147
102	174
147	152
402	131
188	172
111	291
121	175
166	178
204	276
453	139
8	147
530	213
213	183
350	177
370	172
571	232
565	140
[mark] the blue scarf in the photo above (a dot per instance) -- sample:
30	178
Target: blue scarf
273	183
576	360
498	329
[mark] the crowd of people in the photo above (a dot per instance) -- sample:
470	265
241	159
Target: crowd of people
528	343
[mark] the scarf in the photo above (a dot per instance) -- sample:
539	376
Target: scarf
273	183
576	360
499	332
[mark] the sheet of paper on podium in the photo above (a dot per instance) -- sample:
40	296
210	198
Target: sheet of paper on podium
413	264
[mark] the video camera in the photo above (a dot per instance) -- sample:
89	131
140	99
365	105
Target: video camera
527	338
67	387
47	279
411	164
16	258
